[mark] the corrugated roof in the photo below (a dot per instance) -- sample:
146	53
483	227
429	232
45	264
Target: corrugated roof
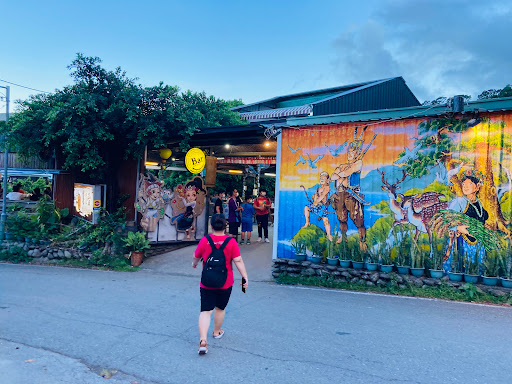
277	113
489	105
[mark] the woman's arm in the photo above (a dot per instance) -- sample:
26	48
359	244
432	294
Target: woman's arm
239	263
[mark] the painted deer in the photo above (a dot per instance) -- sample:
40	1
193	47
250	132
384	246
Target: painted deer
396	207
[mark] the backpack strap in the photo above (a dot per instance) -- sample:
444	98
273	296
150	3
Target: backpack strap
210	240
226	241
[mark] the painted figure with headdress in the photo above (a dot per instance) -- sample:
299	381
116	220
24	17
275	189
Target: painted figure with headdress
151	201
188	203
348	200
466	234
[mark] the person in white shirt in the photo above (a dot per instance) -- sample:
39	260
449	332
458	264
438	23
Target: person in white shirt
15	194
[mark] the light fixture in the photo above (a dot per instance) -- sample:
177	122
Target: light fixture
235	171
267	143
165	153
475	120
173	159
152	163
270	174
220	158
227	146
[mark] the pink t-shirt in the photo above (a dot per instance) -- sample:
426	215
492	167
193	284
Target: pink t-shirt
231	251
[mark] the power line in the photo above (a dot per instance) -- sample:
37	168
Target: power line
22	86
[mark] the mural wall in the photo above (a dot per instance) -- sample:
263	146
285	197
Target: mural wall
418	191
172	215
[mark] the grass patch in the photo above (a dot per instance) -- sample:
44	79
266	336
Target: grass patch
467	292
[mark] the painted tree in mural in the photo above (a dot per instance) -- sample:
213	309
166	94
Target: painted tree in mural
436	146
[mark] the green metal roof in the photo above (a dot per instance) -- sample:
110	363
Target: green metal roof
489	105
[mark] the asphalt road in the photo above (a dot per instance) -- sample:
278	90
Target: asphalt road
62	325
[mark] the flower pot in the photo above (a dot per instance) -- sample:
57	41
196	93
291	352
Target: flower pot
386	268
357	264
507	283
417	272
403	270
345	263
300	256
492	281
136	258
470	278
316	259
454	276
332	260
372	266
436	273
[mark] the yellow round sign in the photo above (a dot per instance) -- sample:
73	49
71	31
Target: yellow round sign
195	160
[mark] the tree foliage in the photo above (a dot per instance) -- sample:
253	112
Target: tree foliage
105	117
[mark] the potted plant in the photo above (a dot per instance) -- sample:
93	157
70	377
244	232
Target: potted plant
386	265
471	266
343	253
436	259
417	260
357	258
506	260
372	261
299	249
332	257
454	273
137	242
317	248
492	265
402	257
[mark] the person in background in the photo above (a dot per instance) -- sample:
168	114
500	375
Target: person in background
15	194
233	214
261	204
247	214
218	203
36	195
239	203
19	188
217	298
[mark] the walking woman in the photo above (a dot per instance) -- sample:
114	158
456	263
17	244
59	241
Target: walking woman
217	298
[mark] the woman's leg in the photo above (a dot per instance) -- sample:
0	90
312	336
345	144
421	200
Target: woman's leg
218	319
204	323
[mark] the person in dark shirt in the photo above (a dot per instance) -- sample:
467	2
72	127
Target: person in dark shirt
36	195
218	203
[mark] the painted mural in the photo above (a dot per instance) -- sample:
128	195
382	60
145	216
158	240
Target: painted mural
171	215
427	193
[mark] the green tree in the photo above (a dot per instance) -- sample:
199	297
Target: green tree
106	117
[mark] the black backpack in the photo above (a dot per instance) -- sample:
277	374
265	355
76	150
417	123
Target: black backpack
215	272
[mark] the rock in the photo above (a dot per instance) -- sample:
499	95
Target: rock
308	272
293	270
497	292
306	263
354	280
30	253
281	261
67	254
342	269
454	284
365	277
60	253
315	266
370	284
355	272
293	263
374	277
275	274
425	286
345	274
335	273
384	276
381	282
342	280
417	282
445	278
44	252
431	282
402	286
331	267
399	279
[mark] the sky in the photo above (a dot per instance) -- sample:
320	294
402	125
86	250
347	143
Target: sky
261	49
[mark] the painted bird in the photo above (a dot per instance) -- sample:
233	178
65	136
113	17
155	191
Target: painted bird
312	163
293	150
409	154
301	161
336	152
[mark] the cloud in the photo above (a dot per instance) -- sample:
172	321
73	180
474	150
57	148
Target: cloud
441	48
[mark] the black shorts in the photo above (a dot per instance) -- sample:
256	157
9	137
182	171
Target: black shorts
233	228
214	298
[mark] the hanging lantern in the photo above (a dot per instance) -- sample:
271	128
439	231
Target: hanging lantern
165	153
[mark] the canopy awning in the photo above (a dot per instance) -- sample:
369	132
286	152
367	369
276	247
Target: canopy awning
301	110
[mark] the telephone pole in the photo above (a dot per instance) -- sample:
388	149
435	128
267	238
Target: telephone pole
3	218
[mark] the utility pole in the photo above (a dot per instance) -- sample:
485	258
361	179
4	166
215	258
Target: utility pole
3	218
